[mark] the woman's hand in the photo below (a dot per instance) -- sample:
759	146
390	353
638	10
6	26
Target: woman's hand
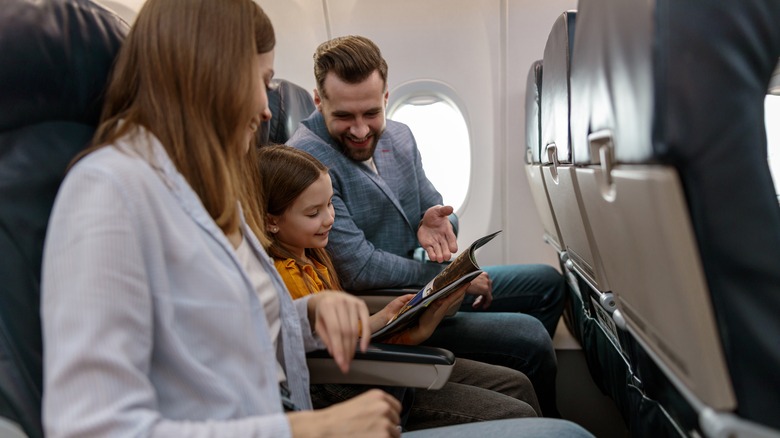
340	319
371	414
482	286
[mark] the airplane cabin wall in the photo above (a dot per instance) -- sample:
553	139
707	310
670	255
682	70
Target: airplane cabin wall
300	26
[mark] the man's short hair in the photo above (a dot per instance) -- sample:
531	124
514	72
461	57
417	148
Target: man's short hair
351	58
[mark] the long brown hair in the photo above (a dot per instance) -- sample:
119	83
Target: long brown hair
187	72
285	173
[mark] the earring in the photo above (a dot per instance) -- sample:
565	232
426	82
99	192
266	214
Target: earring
274	229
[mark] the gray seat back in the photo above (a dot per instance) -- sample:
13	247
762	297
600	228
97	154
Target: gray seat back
668	135
557	158
533	164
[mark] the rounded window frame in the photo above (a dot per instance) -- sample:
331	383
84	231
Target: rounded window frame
435	91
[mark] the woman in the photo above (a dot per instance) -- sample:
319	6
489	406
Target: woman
144	302
162	315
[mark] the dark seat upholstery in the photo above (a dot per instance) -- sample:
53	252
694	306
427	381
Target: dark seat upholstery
289	104
56	57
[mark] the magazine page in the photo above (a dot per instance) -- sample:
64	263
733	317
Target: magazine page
461	270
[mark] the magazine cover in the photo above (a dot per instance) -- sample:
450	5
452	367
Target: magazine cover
460	271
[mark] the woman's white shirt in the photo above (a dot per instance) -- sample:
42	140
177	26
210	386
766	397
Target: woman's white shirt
261	282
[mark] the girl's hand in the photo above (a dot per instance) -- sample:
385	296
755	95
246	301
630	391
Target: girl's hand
371	414
432	316
340	319
382	317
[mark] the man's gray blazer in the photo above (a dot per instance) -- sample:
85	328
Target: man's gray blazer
375	232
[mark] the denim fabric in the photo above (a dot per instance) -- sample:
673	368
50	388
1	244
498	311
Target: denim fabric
513	340
521	427
328	394
536	290
475	392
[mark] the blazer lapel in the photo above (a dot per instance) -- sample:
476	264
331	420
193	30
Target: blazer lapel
390	175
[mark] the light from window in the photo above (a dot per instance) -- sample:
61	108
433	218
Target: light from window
772	123
443	139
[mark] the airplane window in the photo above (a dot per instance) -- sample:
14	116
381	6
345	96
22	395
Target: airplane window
443	139
772	123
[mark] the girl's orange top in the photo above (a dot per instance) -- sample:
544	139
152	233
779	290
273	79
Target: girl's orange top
293	279
293	276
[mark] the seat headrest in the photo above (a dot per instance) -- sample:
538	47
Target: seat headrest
555	87
289	104
57	55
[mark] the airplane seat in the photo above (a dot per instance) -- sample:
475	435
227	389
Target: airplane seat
671	146
56	58
580	253
590	298
533	170
289	104
533	161
533	167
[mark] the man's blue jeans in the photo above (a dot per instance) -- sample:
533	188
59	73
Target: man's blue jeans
515	331
536	290
525	427
513	340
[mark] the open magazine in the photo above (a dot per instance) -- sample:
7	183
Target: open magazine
460	271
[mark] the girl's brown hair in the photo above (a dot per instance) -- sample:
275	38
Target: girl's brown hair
187	72
285	173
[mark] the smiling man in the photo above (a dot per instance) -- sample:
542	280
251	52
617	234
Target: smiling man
386	208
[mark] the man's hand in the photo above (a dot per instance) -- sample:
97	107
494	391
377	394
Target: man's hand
433	315
483	287
435	233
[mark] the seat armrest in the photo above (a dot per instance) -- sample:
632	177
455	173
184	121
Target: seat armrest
411	366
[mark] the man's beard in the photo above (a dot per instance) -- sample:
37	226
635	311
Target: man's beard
358	154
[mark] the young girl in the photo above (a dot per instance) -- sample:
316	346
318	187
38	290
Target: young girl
297	194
